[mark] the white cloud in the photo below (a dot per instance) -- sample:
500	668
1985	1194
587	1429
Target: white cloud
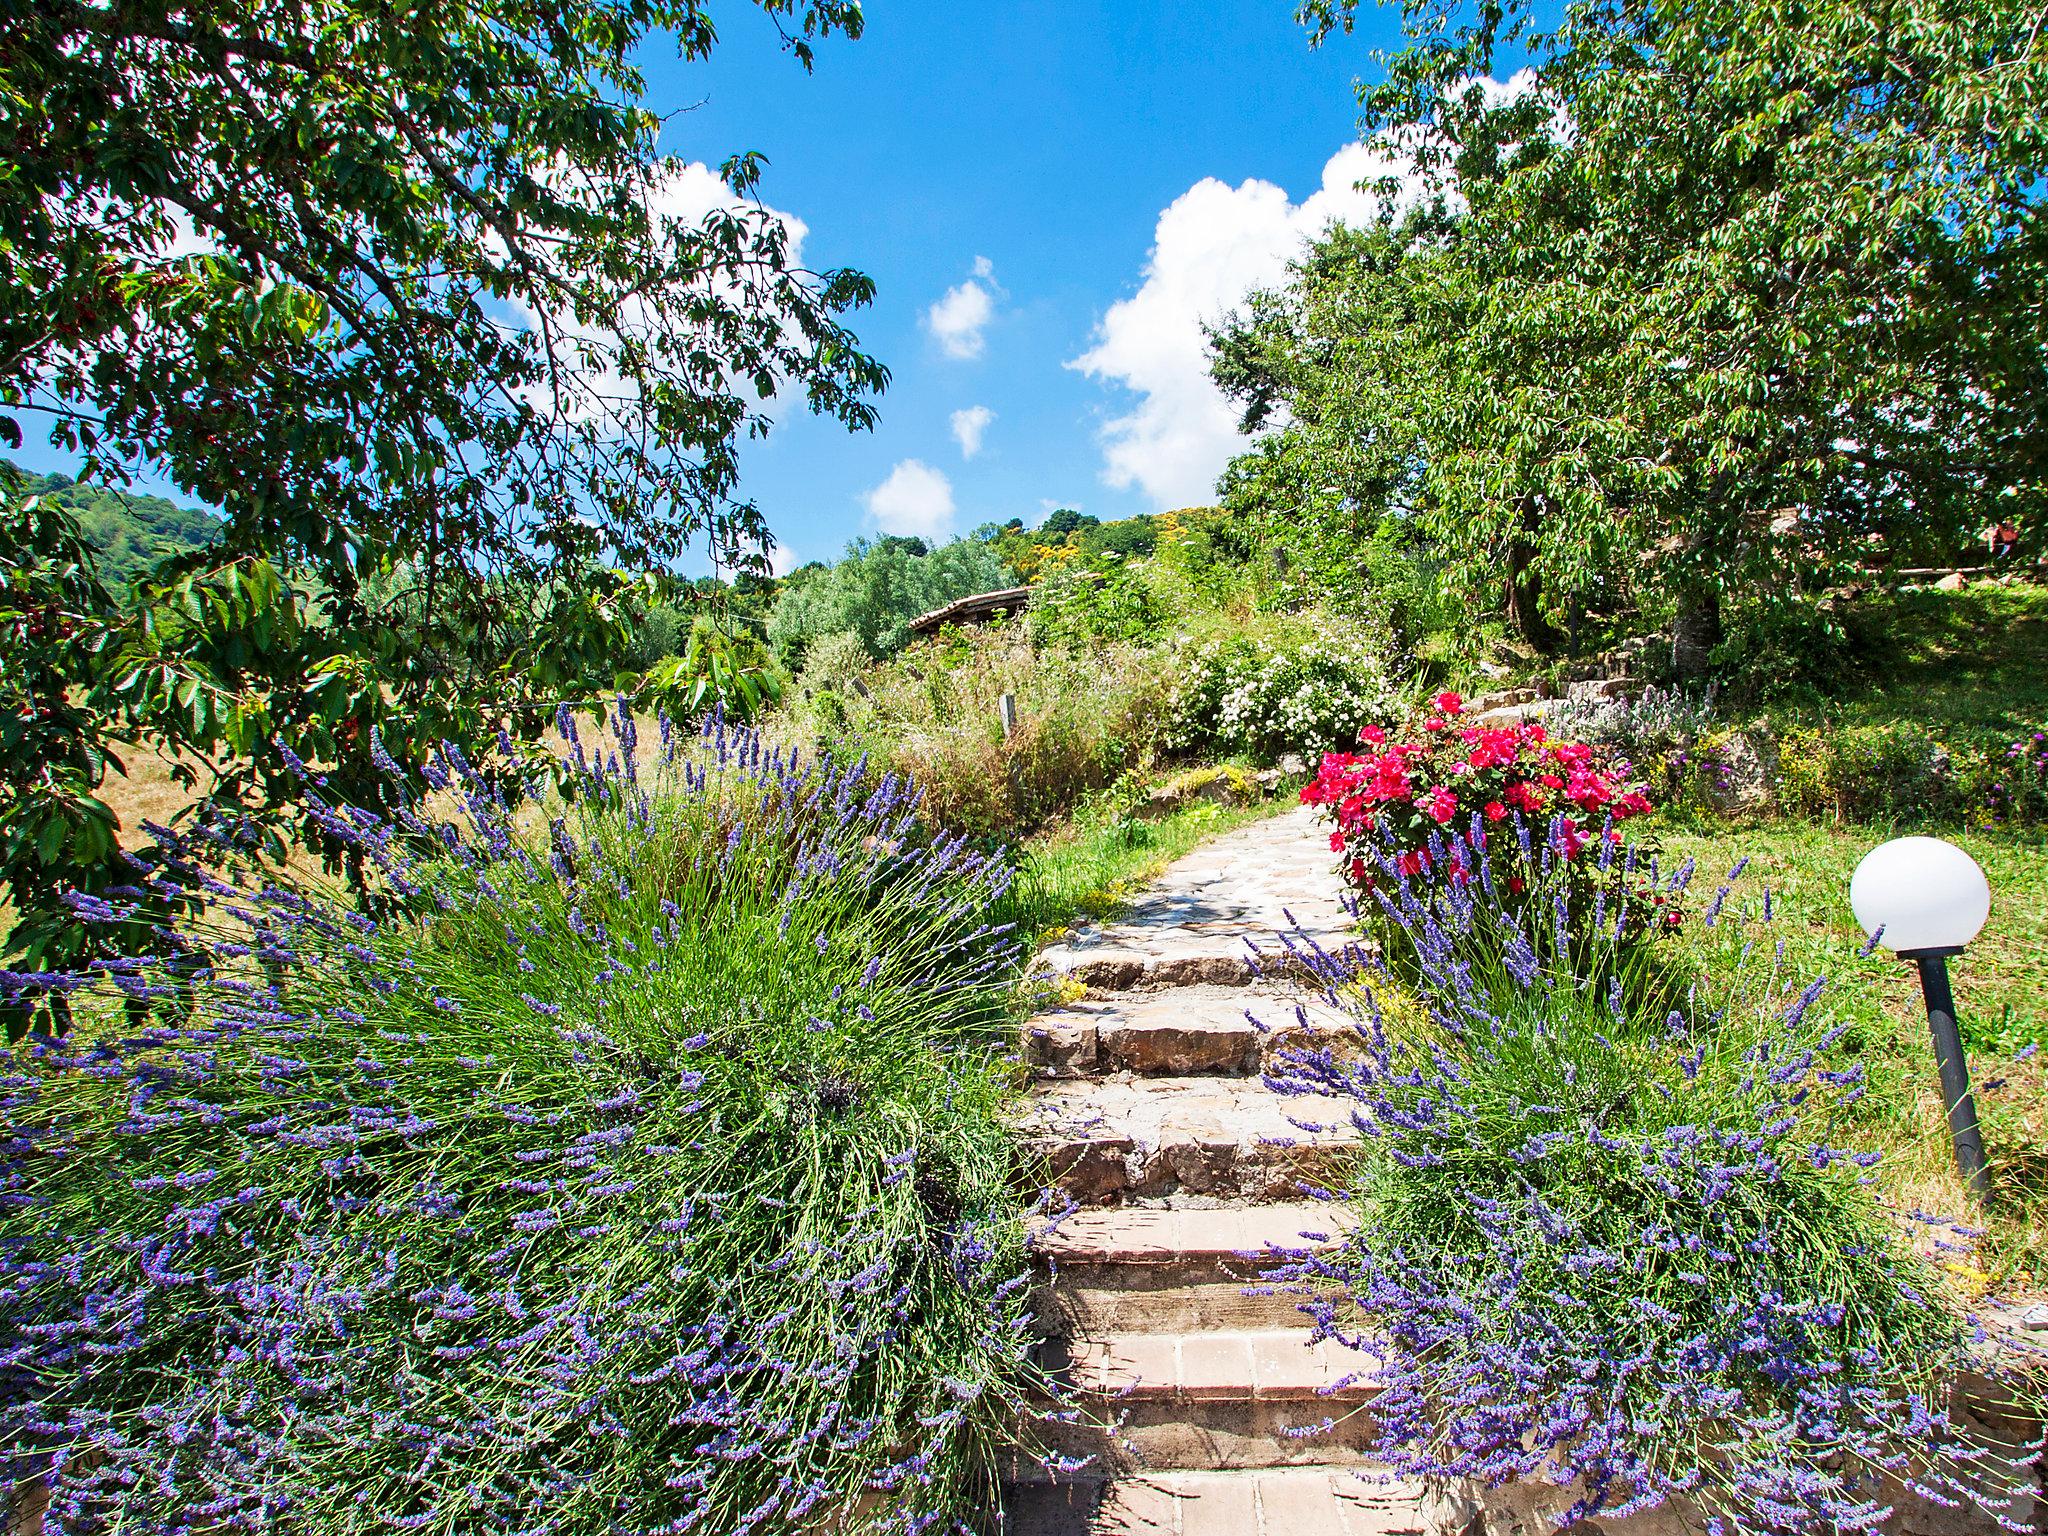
683	199
1047	505
1213	245
964	311
916	500
968	427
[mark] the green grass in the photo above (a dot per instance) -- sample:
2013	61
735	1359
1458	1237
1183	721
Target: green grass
1089	867
2001	988
1975	660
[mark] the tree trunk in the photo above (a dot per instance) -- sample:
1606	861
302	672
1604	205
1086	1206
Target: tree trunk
1525	599
1694	635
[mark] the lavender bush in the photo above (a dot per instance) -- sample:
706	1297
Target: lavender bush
640	1169
1616	1245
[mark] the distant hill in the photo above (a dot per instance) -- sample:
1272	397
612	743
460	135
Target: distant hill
130	532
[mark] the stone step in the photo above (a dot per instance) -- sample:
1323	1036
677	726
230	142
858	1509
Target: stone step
1108	1141
1226	957
1176	1032
1212	913
1139	1269
1286	1501
1218	1401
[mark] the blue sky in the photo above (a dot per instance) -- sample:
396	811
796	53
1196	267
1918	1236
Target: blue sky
1051	196
1029	150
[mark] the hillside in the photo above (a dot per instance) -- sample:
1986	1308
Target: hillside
131	532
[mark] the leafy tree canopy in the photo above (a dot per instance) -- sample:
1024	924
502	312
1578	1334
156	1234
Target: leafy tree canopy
413	294
1712	301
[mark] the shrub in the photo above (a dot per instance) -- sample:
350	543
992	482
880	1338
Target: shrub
834	661
1075	607
642	1169
729	671
1655	722
1855	772
1083	719
1615	1247
2017	791
1421	806
1305	689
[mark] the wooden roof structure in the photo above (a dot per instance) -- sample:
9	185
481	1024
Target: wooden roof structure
978	609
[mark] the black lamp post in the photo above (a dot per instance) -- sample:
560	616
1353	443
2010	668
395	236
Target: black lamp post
1925	899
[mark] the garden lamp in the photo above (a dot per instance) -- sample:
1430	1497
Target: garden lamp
1925	899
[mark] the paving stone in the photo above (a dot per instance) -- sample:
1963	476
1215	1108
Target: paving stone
1179	1031
1292	1501
1110	1140
1220	1367
1214	913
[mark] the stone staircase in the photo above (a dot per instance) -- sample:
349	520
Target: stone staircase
1204	1410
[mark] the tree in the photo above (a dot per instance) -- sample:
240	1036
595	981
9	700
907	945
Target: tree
876	590
1711	303
1062	521
413	296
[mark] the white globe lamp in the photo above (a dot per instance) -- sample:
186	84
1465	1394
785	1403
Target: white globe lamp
1920	895
1925	900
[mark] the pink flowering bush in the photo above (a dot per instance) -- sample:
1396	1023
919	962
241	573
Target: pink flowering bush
1417	809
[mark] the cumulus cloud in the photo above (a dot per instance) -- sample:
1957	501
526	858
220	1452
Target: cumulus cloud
962	314
1213	245
915	500
968	427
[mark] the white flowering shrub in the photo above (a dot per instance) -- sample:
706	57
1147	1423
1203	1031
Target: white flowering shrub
1264	698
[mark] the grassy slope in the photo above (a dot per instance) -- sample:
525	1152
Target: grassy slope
2001	989
1975	658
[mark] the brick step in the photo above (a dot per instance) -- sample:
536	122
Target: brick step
1216	1401
1138	1269
1289	1501
1177	1032
1109	1141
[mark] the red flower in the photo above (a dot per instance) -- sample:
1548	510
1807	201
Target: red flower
1450	703
1495	811
1373	734
1440	804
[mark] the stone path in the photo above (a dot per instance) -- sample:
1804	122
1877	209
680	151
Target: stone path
1149	1107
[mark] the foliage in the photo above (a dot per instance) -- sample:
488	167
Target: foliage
1419	801
1999	987
1621	1248
647	1170
56	835
663	628
415	299
1301	687
128	534
832	662
877	589
1645	725
1902	771
1084	719
1075	606
1671	318
724	671
219	660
